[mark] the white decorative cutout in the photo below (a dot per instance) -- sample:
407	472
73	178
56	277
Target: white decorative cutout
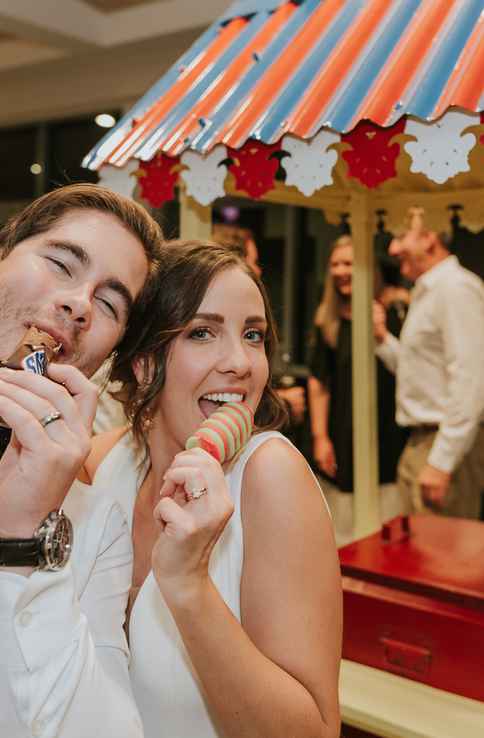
204	177
310	165
120	179
441	151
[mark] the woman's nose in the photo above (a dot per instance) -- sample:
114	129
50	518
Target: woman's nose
235	359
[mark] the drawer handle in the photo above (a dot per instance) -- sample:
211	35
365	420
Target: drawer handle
414	660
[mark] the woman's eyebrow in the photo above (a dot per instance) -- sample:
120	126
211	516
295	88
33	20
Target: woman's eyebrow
255	320
215	317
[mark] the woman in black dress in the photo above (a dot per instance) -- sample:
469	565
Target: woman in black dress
330	397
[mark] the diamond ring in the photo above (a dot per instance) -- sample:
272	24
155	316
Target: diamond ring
195	494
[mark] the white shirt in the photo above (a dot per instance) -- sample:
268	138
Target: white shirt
439	360
110	412
63	653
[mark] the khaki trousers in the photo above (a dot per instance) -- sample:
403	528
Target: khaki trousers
463	499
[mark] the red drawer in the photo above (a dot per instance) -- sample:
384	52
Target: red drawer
403	619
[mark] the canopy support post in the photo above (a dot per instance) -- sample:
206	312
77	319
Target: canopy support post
195	219
365	431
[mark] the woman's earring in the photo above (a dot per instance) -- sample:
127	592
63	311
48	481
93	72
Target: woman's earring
147	423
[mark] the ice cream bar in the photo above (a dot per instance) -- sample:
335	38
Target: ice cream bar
225	432
34	352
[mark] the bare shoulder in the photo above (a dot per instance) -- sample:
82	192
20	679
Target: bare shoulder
278	481
101	446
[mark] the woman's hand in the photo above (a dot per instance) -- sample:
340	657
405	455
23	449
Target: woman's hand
324	456
191	521
42	460
296	398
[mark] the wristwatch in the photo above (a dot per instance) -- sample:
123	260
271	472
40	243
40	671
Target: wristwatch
49	549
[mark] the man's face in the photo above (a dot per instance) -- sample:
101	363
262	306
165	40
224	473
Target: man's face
412	251
77	282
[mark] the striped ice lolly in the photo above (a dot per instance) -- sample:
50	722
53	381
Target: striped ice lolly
225	432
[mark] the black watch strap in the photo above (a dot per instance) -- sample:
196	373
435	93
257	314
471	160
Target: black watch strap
19	552
5	434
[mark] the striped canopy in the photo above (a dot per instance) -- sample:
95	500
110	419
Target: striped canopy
266	69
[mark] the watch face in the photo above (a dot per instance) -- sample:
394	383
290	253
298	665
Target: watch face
57	541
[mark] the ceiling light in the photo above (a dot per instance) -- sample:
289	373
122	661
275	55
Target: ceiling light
36	168
105	120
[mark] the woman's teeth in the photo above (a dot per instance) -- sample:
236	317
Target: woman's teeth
224	397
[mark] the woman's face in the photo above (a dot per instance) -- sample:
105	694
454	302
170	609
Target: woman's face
219	357
341	269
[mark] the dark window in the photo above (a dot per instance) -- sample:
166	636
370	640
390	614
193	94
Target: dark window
17	154
68	142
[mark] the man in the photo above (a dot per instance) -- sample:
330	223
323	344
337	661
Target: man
440	388
80	264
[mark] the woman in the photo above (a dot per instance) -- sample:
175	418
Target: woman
235	611
330	398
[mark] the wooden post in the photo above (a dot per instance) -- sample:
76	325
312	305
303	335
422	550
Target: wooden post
195	219
365	432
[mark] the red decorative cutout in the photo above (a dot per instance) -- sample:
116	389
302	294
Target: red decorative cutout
372	160
252	168
157	179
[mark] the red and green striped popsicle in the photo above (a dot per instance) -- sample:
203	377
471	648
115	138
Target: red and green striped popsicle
225	432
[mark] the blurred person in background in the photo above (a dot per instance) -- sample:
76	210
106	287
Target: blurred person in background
440	382
330	399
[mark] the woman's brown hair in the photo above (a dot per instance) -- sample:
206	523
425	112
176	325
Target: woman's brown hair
189	268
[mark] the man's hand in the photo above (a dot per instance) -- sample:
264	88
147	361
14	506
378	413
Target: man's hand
324	456
296	399
434	484
379	322
41	463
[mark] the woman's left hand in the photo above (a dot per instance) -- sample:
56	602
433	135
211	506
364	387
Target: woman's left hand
194	508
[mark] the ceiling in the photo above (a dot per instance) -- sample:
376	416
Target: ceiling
111	6
33	32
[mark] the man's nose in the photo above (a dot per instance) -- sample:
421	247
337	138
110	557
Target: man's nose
77	305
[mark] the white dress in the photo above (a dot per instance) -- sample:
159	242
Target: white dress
163	681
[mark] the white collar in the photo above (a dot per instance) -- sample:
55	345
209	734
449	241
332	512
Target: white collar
427	280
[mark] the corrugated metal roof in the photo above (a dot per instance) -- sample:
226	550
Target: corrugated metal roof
269	68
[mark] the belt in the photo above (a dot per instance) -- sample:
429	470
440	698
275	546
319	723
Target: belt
428	428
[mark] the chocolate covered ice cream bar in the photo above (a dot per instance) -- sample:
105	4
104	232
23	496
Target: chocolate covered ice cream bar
34	352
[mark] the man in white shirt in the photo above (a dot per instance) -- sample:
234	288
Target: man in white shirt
438	362
78	264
